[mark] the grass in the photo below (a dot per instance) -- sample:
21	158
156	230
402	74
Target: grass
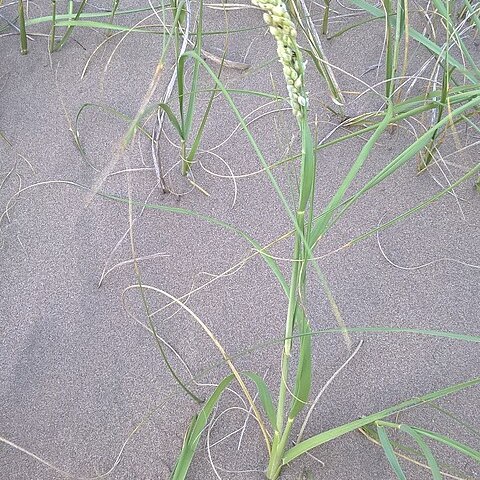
23	30
450	104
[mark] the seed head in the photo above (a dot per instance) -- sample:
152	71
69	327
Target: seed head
282	28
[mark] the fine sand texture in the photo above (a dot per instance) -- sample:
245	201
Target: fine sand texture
83	386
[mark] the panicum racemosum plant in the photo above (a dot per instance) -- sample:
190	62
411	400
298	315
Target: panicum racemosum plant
296	358
284	32
456	99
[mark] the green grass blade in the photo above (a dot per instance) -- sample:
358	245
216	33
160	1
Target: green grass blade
321	224
418	207
200	420
415	331
69	31
303	380
408	153
324	437
195	430
457	420
22	26
432	463
51	43
473	13
198	137
452	34
389	63
245	128
461	447
214	221
427	43
67	16
105	25
340	32
316	50
188	119
115	4
136	124
307	174
264	395
389	453
186	164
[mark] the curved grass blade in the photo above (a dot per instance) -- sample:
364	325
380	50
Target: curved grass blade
115	4
107	26
418	207
457	420
264	395
67	16
432	463
51	42
427	43
317	53
333	433
214	221
321	224
406	155
200	420
411	455
195	430
461	447
351	27
389	452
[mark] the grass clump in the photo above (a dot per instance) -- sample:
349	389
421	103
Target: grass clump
308	230
449	103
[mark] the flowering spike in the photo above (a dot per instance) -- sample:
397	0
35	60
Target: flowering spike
282	28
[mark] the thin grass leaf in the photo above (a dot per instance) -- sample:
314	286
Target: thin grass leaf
51	43
200	420
195	430
351	27
461	447
418	207
407	154
68	16
432	463
299	9
187	117
389	57
214	221
452	34
115	4
389	453
333	433
326	14
307	173
303	381
473	13
427	43
321	224
187	162
408	454
453	417
107	26
198	137
57	46
264	395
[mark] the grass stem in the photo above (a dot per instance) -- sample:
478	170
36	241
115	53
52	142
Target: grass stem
23	30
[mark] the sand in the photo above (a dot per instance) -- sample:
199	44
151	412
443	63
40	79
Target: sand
79	370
